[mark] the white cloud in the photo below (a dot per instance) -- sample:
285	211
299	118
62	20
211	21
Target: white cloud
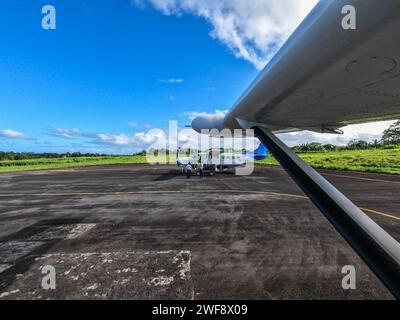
194	114
171	81
367	132
155	138
139	140
188	138
252	29
12	134
65	133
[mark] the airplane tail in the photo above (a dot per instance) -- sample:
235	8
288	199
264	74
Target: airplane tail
261	153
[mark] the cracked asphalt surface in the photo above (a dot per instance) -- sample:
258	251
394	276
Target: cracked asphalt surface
146	232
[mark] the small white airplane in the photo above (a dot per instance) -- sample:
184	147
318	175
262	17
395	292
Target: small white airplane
217	160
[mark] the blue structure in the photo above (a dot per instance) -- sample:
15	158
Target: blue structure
260	153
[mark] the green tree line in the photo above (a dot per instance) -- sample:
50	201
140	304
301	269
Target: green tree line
31	155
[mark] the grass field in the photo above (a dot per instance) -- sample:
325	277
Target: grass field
375	160
35	164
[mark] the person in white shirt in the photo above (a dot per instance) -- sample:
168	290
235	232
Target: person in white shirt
189	170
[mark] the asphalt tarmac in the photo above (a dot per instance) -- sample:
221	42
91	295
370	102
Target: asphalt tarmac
146	232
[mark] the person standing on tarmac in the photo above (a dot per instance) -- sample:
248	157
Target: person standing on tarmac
189	170
201	169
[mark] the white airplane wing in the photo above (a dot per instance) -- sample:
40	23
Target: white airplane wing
326	77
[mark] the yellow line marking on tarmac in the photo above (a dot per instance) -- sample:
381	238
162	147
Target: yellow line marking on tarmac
352	177
381	214
66	194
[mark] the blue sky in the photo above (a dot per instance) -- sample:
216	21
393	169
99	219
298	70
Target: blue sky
115	68
104	68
